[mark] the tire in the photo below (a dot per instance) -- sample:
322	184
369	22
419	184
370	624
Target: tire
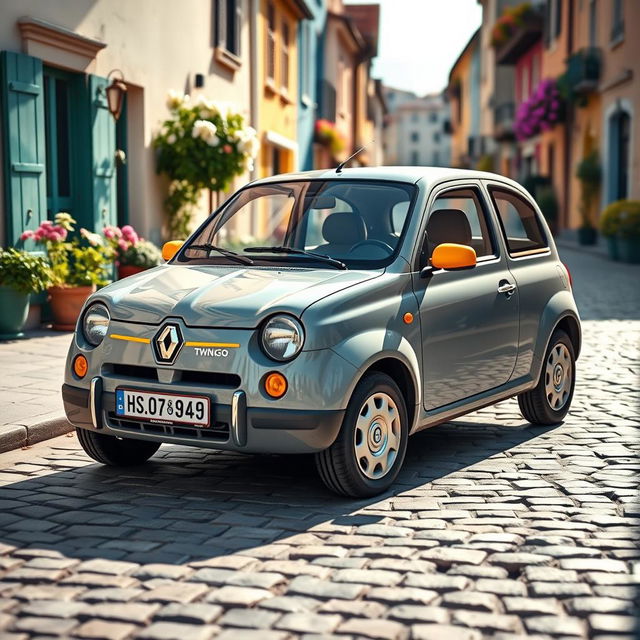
116	452
384	440
546	403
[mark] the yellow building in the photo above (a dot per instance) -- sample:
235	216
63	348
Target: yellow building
277	58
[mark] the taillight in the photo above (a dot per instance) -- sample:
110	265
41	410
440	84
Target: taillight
569	274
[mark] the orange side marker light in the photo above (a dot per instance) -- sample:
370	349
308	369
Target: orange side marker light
407	318
275	384
80	366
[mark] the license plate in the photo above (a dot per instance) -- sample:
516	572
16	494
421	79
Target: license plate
163	408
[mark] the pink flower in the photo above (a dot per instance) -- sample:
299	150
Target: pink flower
123	244
54	236
129	234
109	233
46	224
27	234
39	234
227	148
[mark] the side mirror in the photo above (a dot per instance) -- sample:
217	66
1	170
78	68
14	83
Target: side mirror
169	249
453	256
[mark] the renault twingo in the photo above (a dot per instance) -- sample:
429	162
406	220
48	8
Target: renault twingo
333	313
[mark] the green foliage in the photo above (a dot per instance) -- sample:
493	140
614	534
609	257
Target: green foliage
142	254
202	145
23	271
485	163
589	172
548	203
629	226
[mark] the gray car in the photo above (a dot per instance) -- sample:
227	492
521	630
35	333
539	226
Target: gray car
334	313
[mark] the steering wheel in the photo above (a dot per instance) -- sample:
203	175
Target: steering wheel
376	243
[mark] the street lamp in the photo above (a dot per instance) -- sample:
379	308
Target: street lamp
115	94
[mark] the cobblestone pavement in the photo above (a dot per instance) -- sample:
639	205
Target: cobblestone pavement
494	529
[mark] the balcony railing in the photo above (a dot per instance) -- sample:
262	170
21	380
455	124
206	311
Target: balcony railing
503	120
583	70
522	38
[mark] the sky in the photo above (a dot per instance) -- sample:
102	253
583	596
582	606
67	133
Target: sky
421	39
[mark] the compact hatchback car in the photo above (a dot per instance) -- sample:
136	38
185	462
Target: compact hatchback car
334	313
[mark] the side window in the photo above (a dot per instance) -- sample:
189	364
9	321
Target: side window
449	226
519	221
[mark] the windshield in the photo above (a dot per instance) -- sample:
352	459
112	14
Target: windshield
355	223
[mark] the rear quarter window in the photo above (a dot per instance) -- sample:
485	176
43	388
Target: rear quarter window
520	222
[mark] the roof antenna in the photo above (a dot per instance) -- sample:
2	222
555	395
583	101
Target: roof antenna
342	165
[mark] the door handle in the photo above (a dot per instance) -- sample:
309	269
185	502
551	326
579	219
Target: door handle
506	287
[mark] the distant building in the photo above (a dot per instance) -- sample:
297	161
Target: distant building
418	132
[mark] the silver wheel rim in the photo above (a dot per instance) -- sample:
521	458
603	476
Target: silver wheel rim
376	439
558	376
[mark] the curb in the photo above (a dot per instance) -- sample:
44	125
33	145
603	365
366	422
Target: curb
15	437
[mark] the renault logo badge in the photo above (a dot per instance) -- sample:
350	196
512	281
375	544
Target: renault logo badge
167	343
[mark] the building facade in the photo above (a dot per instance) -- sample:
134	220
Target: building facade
418	132
59	139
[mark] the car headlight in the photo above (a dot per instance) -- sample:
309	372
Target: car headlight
95	323
282	338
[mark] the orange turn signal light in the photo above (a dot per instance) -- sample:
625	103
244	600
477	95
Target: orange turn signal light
275	384
80	366
407	318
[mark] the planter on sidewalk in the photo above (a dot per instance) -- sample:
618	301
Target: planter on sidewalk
629	249
14	309
587	236
612	247
66	305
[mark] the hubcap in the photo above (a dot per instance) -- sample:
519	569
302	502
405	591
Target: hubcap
377	435
558	377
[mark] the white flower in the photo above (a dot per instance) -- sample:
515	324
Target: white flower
171	138
93	239
175	100
213	141
205	130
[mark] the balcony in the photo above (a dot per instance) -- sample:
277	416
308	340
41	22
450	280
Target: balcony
522	38
503	121
583	71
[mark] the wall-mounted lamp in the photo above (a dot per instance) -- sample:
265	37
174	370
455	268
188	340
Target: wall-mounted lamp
115	93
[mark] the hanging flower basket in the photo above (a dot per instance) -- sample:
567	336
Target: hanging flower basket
541	112
328	135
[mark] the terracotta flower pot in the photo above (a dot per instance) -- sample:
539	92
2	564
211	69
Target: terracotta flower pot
66	304
14	307
126	270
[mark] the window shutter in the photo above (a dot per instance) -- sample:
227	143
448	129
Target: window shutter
103	148
22	113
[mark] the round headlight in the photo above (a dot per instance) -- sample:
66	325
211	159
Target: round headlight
95	323
282	338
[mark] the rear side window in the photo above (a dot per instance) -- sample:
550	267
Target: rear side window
520	223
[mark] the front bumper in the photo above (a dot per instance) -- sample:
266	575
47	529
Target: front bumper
234	426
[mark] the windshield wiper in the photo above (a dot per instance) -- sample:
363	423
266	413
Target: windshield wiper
298	252
225	252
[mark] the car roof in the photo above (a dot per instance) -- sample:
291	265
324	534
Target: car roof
403	174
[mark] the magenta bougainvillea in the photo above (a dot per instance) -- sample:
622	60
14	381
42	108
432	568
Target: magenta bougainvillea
540	112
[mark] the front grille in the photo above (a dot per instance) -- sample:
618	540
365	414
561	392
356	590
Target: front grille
219	431
201	378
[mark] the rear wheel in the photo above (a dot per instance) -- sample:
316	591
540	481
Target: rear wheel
116	452
549	401
367	455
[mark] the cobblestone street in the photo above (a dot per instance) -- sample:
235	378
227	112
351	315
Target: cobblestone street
494	528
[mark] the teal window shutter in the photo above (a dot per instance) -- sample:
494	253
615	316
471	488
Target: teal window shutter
103	150
23	134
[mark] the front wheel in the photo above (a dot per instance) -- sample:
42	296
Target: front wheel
116	452
367	455
549	401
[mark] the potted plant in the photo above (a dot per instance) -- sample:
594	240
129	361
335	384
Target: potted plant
21	274
589	173
610	225
328	135
77	266
132	253
548	204
629	232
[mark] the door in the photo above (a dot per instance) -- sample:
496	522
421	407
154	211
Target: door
469	318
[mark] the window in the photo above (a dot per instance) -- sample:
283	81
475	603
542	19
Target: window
307	58
468	201
228	25
414	117
553	21
433	117
617	21
415	158
415	136
271	44
436	159
593	13
520	223
284	78
436	137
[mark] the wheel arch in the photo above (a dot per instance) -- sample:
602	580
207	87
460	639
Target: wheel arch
570	325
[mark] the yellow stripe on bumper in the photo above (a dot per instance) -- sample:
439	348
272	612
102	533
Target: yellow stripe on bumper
116	336
219	345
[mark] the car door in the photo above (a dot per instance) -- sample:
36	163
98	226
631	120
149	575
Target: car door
469	317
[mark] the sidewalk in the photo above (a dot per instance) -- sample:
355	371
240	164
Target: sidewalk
31	375
568	239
